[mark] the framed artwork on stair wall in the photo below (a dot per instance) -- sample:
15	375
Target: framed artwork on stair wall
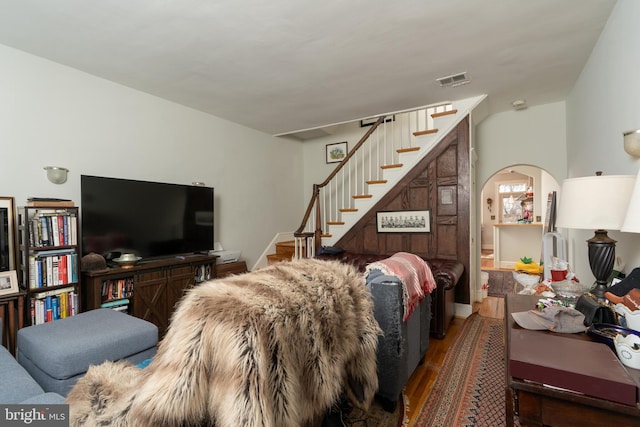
371	121
336	152
404	221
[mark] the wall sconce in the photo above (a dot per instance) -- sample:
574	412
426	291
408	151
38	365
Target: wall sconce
56	174
632	142
489	203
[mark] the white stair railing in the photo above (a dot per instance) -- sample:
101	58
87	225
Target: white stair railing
361	169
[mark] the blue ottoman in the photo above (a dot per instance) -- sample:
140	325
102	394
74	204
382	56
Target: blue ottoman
58	353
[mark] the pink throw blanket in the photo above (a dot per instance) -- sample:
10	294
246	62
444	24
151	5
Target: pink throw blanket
414	274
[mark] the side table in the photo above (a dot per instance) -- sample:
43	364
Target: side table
539	405
11	306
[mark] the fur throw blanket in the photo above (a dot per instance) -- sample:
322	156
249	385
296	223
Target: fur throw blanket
274	347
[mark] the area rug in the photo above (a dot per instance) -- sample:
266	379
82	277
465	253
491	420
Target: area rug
470	387
376	416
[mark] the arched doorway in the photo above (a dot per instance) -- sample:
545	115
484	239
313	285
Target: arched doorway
512	220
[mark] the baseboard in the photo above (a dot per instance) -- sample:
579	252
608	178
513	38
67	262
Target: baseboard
463	310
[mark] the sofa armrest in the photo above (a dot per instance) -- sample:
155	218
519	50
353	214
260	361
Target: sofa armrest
446	272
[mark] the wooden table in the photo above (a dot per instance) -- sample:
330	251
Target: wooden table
8	305
537	405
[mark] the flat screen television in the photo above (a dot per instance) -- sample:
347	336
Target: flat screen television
149	219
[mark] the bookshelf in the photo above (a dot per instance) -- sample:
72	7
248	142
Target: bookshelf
49	261
149	289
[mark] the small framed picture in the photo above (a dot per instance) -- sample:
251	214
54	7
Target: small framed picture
371	121
8	282
404	221
336	152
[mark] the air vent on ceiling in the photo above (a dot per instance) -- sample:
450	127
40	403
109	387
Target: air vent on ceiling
454	80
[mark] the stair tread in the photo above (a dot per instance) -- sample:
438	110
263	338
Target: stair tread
407	150
444	113
397	165
362	196
425	132
377	181
334	223
348	210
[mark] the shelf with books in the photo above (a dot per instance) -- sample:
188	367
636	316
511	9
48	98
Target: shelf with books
49	261
149	289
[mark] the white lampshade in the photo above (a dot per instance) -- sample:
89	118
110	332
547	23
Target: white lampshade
595	202
632	219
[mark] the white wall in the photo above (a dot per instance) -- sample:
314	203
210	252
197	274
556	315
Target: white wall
535	136
55	115
316	169
604	103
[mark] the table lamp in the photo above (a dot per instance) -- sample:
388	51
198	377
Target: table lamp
597	203
632	219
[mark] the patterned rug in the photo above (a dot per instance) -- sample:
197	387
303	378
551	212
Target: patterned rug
470	387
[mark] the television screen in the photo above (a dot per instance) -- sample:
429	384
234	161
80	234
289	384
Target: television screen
149	219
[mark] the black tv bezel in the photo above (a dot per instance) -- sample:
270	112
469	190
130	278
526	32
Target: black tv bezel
154	256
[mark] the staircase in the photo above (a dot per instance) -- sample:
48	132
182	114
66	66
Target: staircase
285	251
390	148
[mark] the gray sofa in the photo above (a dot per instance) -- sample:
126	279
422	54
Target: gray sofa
404	344
20	387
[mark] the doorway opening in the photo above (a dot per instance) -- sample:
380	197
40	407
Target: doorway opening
513	215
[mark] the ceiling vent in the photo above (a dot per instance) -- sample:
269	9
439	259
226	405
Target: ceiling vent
454	80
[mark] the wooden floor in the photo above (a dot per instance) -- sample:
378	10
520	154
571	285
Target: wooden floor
422	380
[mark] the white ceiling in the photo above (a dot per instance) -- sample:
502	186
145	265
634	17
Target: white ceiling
285	65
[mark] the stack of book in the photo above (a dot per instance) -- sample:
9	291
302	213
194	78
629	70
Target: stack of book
49	202
53	268
53	227
53	305
116	293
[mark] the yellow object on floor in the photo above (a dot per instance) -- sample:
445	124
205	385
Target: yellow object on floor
530	267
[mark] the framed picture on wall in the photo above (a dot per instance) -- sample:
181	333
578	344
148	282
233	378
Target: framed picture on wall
8	282
371	121
336	152
7	234
404	221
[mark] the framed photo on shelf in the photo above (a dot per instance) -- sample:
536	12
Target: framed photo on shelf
7	234
8	282
372	120
404	221
336	152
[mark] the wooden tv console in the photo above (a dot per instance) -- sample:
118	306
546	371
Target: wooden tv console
148	290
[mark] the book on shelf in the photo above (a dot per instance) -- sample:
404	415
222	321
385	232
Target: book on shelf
53	268
53	228
115	303
53	305
49	202
114	289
